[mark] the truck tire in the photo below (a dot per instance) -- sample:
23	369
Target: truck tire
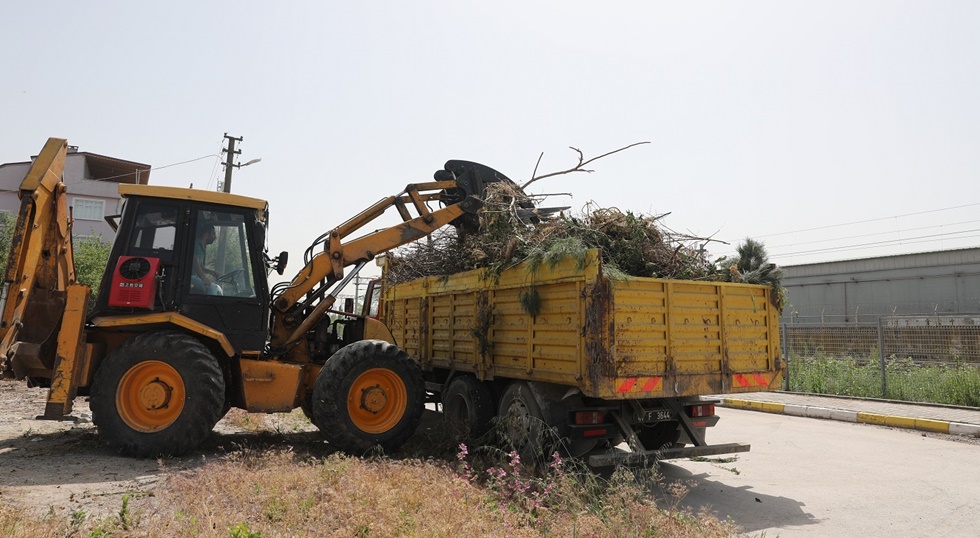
157	394
467	407
369	394
522	424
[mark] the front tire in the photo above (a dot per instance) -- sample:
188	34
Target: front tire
369	394
157	394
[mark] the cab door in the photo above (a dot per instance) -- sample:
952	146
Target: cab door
222	281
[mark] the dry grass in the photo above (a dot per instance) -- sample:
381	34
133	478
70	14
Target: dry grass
280	492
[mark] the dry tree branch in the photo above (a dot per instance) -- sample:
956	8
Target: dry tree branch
579	167
536	165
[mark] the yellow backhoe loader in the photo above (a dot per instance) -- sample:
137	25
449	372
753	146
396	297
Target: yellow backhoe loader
185	325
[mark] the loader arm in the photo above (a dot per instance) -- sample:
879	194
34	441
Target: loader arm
304	301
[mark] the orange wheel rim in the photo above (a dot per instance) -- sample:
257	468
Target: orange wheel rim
150	396
377	400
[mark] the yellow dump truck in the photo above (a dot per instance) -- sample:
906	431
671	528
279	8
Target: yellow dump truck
615	369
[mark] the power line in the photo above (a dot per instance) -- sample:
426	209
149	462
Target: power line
847	249
875	234
217	163
150	169
878	244
875	244
871	220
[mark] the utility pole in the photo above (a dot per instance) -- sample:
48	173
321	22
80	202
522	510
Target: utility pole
230	160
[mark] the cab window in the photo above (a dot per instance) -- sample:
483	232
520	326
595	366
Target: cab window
220	262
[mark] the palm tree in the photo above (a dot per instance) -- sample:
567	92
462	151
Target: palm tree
751	265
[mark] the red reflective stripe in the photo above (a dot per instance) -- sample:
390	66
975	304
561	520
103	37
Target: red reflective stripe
651	384
761	380
627	385
740	379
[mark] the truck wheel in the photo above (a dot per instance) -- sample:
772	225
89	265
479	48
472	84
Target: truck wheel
369	394
467	407
521	419
157	394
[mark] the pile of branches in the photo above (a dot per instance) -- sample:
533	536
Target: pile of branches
512	229
509	233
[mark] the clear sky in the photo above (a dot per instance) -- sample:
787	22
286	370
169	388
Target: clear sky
827	129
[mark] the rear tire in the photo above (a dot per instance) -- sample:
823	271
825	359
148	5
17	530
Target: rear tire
369	394
467	407
522	423
157	394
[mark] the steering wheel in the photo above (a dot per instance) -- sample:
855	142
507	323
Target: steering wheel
229	278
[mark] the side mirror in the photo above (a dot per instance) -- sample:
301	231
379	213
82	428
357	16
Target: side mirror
349	304
281	262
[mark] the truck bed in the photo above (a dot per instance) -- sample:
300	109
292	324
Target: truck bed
612	338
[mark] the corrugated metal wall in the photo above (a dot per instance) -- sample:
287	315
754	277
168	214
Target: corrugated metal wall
943	282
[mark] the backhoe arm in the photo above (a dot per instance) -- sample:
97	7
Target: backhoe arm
43	308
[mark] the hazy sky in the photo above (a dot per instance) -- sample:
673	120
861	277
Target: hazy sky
787	122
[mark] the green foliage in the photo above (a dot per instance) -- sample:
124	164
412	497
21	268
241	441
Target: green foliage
545	494
91	257
751	265
905	379
7	223
125	521
241	530
125	517
91	253
531	301
554	252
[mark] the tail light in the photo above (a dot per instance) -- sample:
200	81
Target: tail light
590	417
701	410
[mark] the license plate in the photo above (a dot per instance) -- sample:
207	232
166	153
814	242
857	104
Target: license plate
658	415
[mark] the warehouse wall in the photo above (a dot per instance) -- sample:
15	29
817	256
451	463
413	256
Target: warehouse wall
943	282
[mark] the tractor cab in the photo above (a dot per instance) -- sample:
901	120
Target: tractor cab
199	253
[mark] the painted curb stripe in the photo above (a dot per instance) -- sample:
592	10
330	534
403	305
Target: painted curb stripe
958	428
921	424
795	410
928	425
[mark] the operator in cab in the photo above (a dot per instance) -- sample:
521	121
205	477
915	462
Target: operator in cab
201	275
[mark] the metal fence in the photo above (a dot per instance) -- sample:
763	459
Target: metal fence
900	357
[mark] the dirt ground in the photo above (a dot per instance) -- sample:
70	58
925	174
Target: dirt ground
61	466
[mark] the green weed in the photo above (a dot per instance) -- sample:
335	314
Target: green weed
956	383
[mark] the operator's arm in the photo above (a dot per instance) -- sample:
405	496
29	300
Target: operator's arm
201	272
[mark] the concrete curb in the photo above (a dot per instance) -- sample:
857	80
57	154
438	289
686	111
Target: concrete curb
921	424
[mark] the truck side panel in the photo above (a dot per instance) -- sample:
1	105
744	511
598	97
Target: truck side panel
473	322
613	339
681	338
543	347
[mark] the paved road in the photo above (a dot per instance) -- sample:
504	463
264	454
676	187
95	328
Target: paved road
810	477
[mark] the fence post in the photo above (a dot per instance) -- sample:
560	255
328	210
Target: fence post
785	345
881	356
